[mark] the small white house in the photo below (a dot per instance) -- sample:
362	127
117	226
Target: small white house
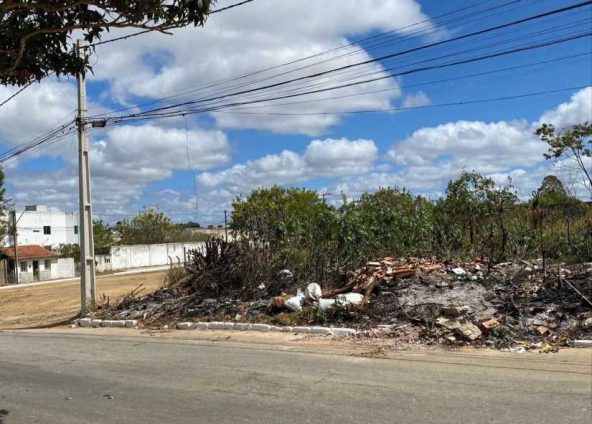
35	263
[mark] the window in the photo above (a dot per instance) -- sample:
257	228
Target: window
47	264
76	229
46	230
23	266
107	260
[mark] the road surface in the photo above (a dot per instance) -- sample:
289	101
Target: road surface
65	378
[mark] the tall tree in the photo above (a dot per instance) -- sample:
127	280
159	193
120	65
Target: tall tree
551	191
575	144
148	227
103	236
35	35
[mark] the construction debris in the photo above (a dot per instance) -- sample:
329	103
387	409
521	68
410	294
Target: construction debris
513	305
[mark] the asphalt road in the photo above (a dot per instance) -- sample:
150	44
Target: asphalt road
72	378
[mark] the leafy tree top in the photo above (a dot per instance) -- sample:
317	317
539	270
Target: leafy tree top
148	227
35	35
574	143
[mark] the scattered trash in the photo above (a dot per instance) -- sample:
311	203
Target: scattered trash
458	271
313	292
347	299
468	331
295	303
548	348
490	324
582	343
518	349
325	304
539	306
285	274
456	311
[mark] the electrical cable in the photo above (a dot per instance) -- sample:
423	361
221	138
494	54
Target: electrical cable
421	32
388	56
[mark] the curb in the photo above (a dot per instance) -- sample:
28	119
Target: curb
95	323
239	326
216	325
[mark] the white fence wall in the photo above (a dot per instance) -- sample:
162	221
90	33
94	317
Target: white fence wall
63	268
145	255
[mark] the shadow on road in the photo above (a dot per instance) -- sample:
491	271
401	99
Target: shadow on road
3	413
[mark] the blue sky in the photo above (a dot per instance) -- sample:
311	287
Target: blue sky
145	163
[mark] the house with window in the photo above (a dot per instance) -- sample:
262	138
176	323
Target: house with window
39	225
34	263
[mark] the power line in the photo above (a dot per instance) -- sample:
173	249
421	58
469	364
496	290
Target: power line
462	77
158	114
23	88
402	73
374	60
400	109
232	6
343	46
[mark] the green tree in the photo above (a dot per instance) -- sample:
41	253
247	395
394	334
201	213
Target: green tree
574	144
103	236
551	192
390	221
294	225
472	217
273	215
148	227
35	35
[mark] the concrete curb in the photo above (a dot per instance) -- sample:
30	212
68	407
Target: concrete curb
240	326
95	323
216	325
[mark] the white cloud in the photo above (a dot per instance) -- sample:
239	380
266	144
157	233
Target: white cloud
322	158
123	163
431	156
489	146
154	152
263	34
37	109
576	111
416	100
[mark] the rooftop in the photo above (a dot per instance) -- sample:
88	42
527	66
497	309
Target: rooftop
31	251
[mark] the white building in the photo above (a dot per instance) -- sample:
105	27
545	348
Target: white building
40	226
35	263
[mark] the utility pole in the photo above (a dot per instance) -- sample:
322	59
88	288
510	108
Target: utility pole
87	255
225	228
15	242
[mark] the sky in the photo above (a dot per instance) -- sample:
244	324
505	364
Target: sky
407	129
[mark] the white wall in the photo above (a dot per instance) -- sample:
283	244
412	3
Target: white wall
143	255
63	268
103	263
31	223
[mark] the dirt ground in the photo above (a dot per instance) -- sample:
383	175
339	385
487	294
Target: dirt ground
52	304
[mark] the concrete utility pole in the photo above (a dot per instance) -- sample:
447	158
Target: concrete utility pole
225	228
87	250
15	242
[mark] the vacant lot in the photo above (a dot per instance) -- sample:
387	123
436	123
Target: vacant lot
51	304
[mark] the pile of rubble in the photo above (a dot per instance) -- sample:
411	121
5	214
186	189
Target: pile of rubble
419	300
